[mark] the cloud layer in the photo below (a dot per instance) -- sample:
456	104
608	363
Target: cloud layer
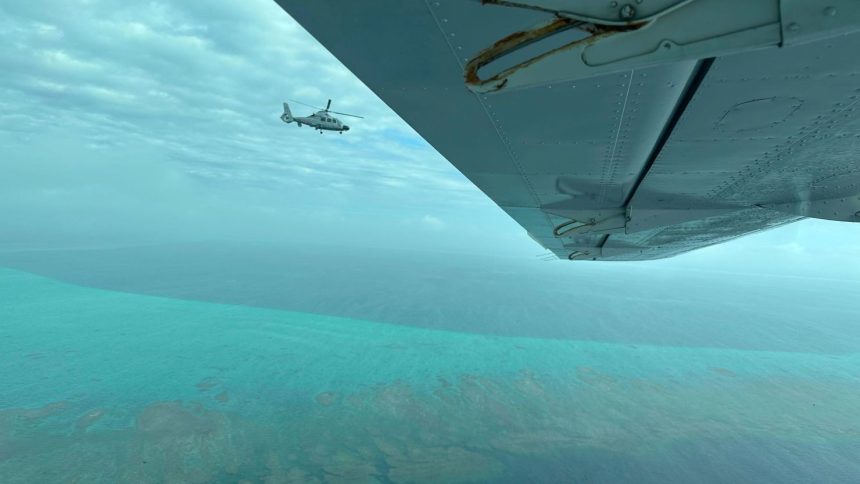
127	120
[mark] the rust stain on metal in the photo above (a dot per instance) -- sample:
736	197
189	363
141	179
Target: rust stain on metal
510	43
517	40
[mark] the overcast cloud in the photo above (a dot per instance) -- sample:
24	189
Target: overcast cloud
125	121
138	122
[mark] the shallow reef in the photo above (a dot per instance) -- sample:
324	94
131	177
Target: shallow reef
472	429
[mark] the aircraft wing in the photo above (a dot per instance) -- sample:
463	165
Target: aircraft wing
615	134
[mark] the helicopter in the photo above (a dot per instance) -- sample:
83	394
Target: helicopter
321	120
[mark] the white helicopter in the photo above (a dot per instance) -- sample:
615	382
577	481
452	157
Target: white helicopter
321	120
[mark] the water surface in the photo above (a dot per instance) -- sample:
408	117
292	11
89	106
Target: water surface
103	386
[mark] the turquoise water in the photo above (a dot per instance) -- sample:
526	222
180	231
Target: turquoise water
106	386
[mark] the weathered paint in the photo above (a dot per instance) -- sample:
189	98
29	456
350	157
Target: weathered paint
518	40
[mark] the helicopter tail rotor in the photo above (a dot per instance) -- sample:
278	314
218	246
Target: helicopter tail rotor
287	117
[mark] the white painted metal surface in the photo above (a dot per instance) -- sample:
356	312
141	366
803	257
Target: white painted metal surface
639	163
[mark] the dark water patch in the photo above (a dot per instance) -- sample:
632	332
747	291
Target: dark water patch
724	372
37	414
90	418
207	383
707	460
327	399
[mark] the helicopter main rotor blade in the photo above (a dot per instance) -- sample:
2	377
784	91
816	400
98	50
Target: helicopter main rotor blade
347	114
325	108
304	104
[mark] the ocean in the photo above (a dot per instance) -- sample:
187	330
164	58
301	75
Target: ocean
265	363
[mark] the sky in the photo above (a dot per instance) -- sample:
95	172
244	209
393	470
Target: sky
129	123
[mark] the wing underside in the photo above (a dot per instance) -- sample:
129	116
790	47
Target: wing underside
641	163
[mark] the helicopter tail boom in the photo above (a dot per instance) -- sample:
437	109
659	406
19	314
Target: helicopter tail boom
287	117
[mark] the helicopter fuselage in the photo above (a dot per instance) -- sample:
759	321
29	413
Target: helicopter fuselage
321	122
